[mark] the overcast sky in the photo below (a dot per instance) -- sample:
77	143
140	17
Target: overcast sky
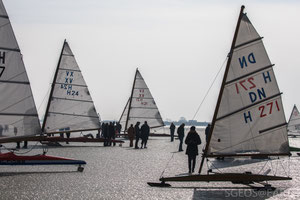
178	46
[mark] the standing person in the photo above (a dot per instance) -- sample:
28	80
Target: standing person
111	133
118	129
180	132
145	131
192	141
105	134
130	132
172	130
207	132
137	134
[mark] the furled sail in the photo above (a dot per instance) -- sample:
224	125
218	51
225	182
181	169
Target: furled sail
70	107
294	121
141	106
249	117
18	114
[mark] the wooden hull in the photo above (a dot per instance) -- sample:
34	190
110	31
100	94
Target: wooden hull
55	139
230	177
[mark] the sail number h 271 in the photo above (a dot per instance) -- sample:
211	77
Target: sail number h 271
250	86
2	62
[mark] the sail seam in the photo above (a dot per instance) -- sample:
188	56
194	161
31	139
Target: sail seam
68	55
141	88
4	16
141	98
145	108
75	70
72	99
249	106
19	114
56	113
71	84
254	72
10	49
271	128
16	82
249	42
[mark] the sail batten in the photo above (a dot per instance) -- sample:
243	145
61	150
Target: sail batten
248	42
249	117
70	105
141	106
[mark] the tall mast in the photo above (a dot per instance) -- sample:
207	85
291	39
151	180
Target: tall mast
52	87
223	86
130	100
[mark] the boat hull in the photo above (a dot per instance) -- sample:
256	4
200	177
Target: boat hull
229	177
12	159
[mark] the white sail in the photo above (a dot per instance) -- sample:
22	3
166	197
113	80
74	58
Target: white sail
294	121
18	114
71	106
141	106
250	117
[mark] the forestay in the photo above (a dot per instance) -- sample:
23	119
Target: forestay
70	107
18	114
250	117
294	121
141	106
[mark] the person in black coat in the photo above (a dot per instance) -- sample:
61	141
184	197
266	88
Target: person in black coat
145	131
137	134
192	141
172	130
180	132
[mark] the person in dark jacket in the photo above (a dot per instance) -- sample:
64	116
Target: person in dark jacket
207	132
180	132
137	134
111	132
105	133
145	131
192	141
130	132
172	130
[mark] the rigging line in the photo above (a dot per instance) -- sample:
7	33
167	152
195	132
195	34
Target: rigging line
263	167
46	95
166	165
216	167
209	88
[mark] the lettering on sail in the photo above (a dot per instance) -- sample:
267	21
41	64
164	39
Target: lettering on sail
2	63
246	60
255	92
68	80
141	97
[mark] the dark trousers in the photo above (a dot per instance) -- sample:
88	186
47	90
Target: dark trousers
144	142
180	144
192	163
172	135
131	142
136	142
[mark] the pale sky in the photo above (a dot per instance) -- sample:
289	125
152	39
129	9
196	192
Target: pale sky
178	46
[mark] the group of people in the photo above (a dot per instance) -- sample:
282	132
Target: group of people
192	141
110	131
138	133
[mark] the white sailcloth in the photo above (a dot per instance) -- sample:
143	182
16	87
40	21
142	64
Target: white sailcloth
294	121
141	106
18	114
71	106
250	118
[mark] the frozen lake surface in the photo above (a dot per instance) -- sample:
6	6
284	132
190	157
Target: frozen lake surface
123	173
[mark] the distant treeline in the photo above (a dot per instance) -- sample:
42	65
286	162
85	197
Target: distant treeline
187	123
